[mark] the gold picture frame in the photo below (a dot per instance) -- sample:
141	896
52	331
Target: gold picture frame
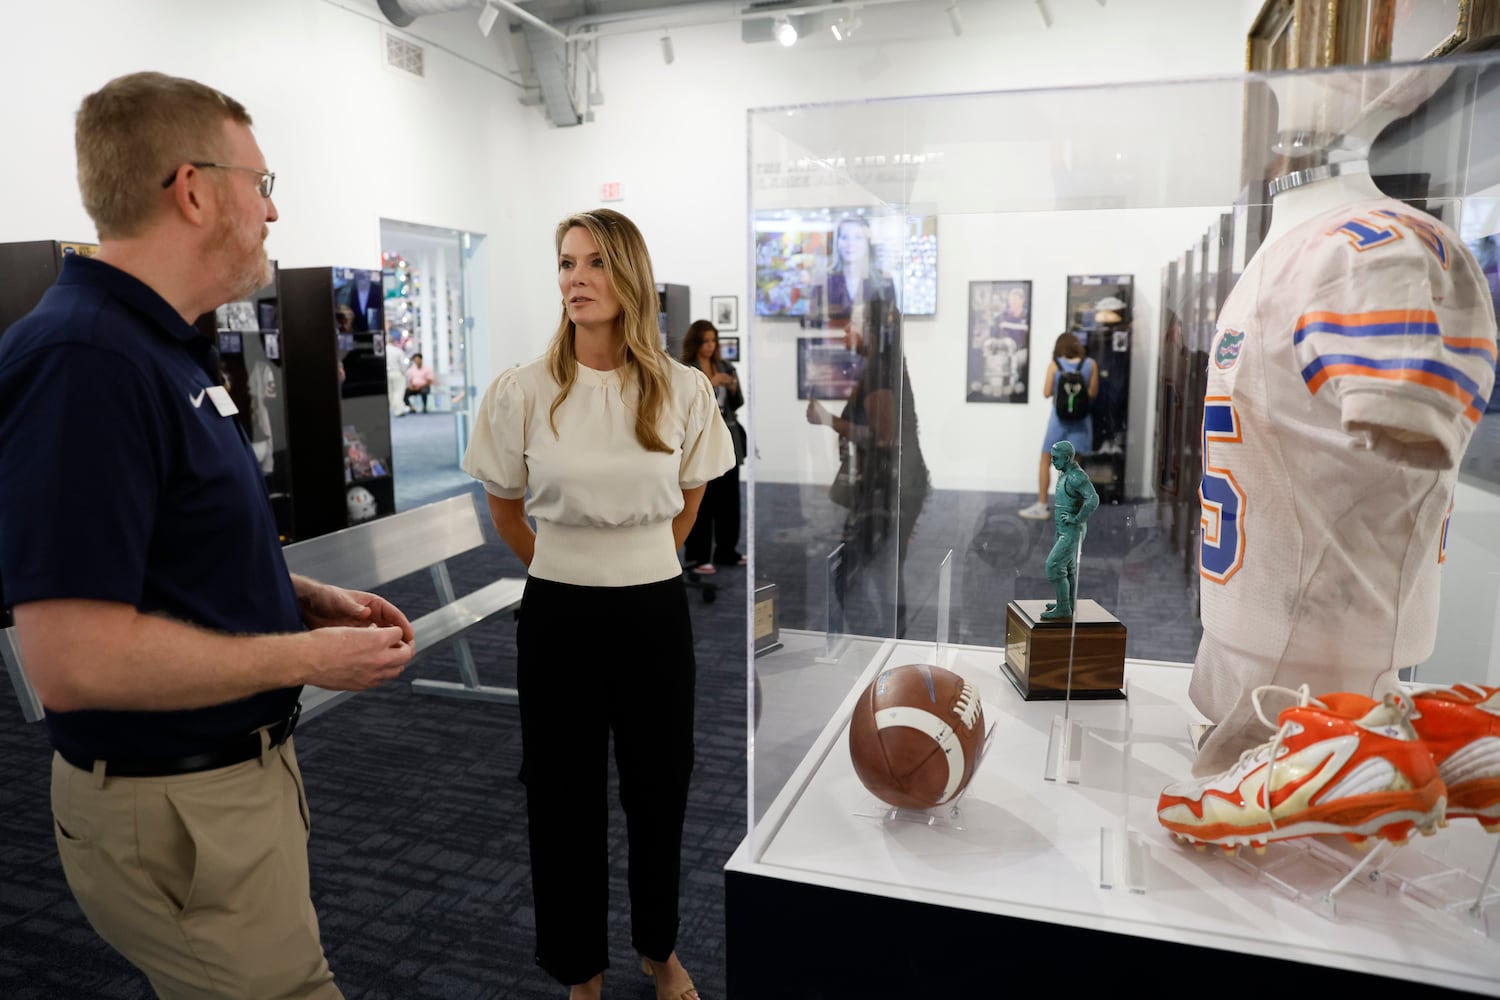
1315	34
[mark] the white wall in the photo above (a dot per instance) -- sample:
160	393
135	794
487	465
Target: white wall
676	137
978	445
349	139
353	141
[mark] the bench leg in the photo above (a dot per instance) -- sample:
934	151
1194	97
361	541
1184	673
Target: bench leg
470	688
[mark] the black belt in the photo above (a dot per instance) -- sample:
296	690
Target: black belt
236	751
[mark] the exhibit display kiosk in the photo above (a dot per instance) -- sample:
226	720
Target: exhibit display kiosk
884	503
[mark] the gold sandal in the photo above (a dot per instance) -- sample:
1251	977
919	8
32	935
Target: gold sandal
688	993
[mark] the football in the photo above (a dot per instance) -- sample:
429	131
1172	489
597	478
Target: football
916	734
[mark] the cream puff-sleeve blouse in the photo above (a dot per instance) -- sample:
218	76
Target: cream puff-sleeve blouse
603	504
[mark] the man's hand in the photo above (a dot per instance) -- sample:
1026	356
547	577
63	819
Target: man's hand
355	659
327	606
817	413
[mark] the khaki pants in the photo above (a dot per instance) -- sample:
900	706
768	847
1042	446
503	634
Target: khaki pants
199	880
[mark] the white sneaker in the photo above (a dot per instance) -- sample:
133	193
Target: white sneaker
1036	512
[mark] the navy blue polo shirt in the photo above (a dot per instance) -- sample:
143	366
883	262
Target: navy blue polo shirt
121	481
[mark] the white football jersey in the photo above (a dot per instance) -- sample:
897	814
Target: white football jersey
1347	372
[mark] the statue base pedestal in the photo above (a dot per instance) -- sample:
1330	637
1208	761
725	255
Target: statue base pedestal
1037	652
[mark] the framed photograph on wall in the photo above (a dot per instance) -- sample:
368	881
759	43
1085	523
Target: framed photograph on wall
826	368
724	310
729	348
999	340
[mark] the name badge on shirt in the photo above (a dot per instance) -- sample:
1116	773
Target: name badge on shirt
220	397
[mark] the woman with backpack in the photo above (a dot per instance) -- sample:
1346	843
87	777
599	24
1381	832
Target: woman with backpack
1072	382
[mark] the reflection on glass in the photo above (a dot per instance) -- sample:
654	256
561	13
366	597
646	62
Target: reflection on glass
877	438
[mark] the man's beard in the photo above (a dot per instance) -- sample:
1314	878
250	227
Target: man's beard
241	269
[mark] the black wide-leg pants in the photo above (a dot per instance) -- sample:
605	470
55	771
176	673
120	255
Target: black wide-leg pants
715	535
591	661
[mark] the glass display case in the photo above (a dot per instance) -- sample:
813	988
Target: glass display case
923	269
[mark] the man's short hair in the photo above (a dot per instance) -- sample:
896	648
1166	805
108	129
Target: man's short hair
133	132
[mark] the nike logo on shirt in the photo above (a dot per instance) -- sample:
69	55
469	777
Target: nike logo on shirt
197	400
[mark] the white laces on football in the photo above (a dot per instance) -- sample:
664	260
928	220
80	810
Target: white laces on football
968	705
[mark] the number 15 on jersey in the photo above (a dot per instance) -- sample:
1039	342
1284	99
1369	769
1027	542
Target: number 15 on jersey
1222	527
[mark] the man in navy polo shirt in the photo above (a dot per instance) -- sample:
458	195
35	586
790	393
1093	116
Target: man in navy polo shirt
155	614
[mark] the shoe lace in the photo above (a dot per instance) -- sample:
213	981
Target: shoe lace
1272	747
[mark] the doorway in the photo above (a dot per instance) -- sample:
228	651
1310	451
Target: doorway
429	325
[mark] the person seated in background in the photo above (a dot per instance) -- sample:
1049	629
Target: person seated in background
419	379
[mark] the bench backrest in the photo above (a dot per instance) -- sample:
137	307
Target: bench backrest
369	555
363	557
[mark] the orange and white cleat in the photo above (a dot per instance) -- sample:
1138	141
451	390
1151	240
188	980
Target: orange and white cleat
1461	726
1342	764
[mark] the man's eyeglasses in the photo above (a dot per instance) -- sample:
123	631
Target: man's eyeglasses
267	177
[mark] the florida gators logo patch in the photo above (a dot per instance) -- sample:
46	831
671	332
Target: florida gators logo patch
1227	353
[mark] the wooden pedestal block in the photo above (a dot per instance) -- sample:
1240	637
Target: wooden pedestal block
1037	651
767	619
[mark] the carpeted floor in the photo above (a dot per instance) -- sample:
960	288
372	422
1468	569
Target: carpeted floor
418	846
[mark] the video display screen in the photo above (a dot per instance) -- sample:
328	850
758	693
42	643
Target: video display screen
358	303
795	252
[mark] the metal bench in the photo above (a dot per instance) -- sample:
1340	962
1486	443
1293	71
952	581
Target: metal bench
367	557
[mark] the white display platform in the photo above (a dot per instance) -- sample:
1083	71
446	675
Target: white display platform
1030	849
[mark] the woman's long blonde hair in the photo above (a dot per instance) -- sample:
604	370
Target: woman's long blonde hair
627	268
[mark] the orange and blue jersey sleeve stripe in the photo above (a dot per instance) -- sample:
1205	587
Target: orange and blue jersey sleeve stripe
1416	369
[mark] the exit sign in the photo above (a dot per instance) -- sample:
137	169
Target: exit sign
611	191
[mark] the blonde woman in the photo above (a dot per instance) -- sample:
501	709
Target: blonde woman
614	441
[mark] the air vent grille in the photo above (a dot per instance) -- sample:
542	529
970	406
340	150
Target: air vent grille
404	55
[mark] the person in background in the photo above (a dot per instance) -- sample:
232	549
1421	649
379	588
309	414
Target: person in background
878	425
715	537
156	618
419	380
1067	356
855	277
615	442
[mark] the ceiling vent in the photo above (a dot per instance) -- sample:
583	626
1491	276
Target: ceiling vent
407	56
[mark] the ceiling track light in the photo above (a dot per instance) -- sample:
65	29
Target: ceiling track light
844	28
667	55
1045	11
955	19
785	31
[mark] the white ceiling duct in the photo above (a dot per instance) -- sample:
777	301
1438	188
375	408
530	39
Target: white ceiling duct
402	13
